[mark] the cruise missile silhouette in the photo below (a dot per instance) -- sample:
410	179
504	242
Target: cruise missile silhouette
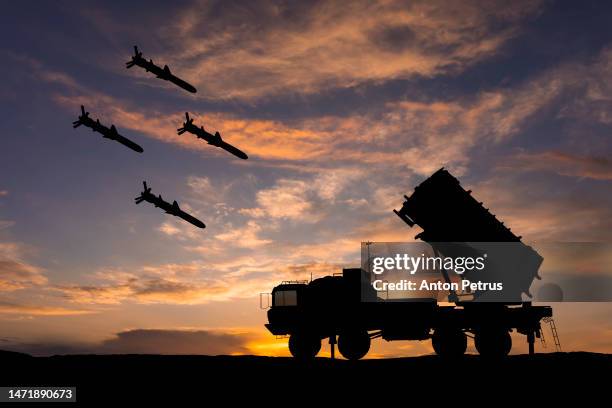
108	133
161	73
172	209
214	140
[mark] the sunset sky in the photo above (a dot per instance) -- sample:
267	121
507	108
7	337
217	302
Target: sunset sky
342	107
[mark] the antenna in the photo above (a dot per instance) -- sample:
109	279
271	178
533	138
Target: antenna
368	243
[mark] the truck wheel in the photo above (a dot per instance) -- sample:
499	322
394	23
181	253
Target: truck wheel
493	343
304	346
449	343
353	345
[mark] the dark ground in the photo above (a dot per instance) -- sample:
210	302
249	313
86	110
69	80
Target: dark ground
282	381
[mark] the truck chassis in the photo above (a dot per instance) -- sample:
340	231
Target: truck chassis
330	308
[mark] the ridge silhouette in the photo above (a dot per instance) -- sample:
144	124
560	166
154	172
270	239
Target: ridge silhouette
143	378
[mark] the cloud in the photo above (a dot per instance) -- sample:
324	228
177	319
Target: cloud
315	268
330	183
592	83
267	139
267	48
206	192
38	310
444	133
145	291
421	136
565	164
185	284
337	250
5	224
147	341
246	237
154	341
526	205
167	283
91	294
228	275
303	200
169	229
15	272
252	251
285	200
408	134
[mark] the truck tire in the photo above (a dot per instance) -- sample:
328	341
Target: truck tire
354	344
304	346
493	343
449	343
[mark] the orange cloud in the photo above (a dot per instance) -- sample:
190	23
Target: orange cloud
317	269
407	134
287	199
15	272
261	138
254	52
186	284
246	236
39	310
147	287
419	136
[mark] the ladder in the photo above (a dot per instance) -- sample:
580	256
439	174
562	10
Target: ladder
542	339
555	334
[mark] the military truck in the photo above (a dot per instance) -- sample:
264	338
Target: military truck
348	311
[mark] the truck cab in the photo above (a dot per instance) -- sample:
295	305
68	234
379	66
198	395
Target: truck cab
343	306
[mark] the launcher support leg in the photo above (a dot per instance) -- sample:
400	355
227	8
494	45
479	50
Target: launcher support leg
531	341
332	345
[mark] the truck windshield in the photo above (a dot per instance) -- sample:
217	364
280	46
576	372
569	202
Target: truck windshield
285	298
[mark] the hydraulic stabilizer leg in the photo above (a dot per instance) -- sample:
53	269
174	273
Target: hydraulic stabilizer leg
332	346
531	341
